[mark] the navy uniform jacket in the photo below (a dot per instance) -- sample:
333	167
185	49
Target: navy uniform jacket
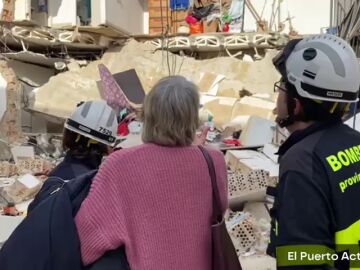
315	209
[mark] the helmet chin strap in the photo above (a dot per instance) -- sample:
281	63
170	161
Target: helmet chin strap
290	118
285	122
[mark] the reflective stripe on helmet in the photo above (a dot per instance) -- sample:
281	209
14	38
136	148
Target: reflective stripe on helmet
108	138
328	93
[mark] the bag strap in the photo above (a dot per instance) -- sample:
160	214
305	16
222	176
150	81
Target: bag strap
217	215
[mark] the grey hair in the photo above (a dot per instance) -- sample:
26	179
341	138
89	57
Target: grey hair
171	112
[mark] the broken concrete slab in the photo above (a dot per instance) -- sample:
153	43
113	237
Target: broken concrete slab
34	58
220	107
33	75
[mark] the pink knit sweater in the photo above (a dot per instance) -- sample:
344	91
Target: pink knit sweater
157	201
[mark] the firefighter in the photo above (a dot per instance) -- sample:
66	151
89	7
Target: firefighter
315	217
89	136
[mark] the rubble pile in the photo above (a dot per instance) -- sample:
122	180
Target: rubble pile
18	182
151	65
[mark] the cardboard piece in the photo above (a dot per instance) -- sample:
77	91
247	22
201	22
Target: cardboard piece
212	26
131	85
258	131
111	91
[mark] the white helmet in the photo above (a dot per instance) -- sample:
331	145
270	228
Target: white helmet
95	120
323	67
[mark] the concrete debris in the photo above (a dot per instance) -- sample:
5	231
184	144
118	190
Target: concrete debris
24	188
251	172
250	229
80	85
31	74
7	169
250	232
33	166
34	58
237	94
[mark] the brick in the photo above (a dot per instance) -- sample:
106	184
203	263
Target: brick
158	12
158	3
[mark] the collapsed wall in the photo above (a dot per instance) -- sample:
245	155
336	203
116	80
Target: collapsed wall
61	94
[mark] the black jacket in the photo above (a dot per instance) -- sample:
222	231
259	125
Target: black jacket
73	166
70	168
47	238
315	209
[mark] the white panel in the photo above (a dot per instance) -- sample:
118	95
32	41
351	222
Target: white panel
146	22
309	15
97	12
62	12
22	10
3	97
127	15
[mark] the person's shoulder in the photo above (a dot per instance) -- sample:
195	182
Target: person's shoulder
131	152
